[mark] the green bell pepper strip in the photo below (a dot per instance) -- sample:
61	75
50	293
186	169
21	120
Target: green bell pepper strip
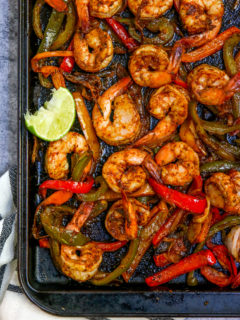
99	207
228	222
36	18
55	251
124	265
51	219
94	195
80	165
219	166
218	127
53	27
68	30
220	150
231	67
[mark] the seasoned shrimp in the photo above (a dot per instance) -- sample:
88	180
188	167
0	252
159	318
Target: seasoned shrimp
169	104
126	123
224	191
202	19
181	172
211	86
56	163
149	9
116	220
80	263
123	171
102	50
148	66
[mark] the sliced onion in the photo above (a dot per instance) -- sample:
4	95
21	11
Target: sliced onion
232	242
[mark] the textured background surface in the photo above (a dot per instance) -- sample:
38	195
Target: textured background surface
8	83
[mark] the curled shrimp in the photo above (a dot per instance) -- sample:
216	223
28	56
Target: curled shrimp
123	171
80	263
202	19
148	66
169	104
126	123
115	222
149	9
211	86
224	191
181	172
102	50
56	163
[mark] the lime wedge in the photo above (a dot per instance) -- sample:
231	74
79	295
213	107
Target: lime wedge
55	119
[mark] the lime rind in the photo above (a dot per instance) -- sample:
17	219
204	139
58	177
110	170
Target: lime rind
55	119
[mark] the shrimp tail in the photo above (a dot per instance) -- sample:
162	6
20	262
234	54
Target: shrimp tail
176	57
176	4
131	224
232	87
152	168
83	15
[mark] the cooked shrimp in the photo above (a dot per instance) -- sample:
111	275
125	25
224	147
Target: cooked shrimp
104	8
126	123
56	163
210	85
102	50
224	191
80	263
149	9
148	66
202	19
181	172
115	222
169	104
123	171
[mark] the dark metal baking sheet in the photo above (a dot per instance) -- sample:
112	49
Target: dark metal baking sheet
59	295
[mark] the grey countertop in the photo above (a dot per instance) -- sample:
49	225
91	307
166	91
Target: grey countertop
8	83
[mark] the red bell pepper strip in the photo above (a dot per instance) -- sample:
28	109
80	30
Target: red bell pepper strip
111	246
210	47
68	62
161	260
44	243
176	4
216	277
190	263
58	5
196	186
68	185
180	82
181	200
130	43
236	281
168	226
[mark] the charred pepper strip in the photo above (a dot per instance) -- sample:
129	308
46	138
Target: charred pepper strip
87	126
65	34
192	262
168	226
124	265
36	18
231	67
78	170
47	54
94	195
111	246
222	151
218	127
181	200
68	185
210	47
219	166
122	33
227	222
52	218
58	5
146	237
